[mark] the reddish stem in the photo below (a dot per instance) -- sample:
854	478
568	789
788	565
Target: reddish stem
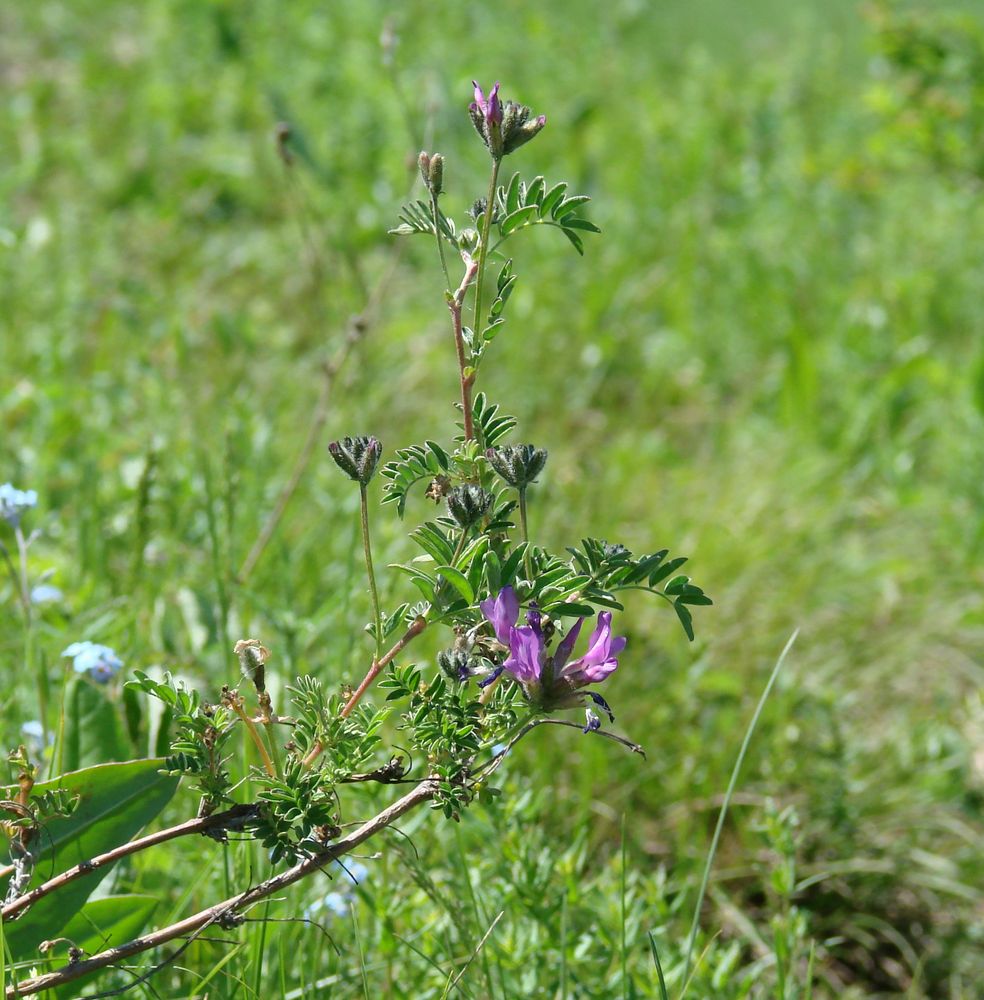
456	304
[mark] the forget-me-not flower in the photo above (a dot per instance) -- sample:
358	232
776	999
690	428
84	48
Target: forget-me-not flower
100	662
337	901
13	503
45	593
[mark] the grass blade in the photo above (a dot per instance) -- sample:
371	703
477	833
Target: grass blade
692	937
663	995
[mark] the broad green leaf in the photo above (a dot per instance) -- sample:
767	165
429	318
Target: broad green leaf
588	227
93	732
115	801
686	619
534	193
575	241
514	220
512	195
568	205
459	581
552	198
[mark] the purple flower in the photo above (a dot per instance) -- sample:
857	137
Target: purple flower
502	612
526	655
491	108
553	681
100	662
599	661
503	125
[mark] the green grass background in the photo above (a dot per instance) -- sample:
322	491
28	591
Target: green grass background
771	361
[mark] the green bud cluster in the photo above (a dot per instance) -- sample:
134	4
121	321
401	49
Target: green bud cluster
468	504
431	166
357	457
517	464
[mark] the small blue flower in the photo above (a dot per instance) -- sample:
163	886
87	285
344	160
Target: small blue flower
337	902
13	503
33	729
100	662
45	593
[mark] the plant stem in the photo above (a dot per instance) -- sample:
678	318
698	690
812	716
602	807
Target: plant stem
235	703
526	532
484	248
377	618
213	822
522	514
440	242
456	304
30	667
193	925
418	626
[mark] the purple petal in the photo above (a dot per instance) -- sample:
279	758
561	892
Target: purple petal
525	660
566	646
493	112
601	658
502	611
479	96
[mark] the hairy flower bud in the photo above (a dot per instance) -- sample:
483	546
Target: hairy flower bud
468	504
435	176
504	127
423	163
357	457
517	464
457	664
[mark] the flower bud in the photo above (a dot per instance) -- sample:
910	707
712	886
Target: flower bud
423	163
517	464
357	457
457	664
468	504
435	174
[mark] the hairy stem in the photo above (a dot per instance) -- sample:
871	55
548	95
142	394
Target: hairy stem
456	304
228	908
484	248
377	618
418	626
440	242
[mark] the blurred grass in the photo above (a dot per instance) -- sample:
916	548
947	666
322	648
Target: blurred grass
770	361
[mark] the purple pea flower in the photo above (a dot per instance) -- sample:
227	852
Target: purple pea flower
553	681
503	125
502	611
598	662
490	108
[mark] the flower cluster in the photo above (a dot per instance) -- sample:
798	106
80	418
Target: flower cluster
100	662
553	681
14	502
357	457
504	127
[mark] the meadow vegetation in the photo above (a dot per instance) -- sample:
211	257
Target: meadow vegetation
771	361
